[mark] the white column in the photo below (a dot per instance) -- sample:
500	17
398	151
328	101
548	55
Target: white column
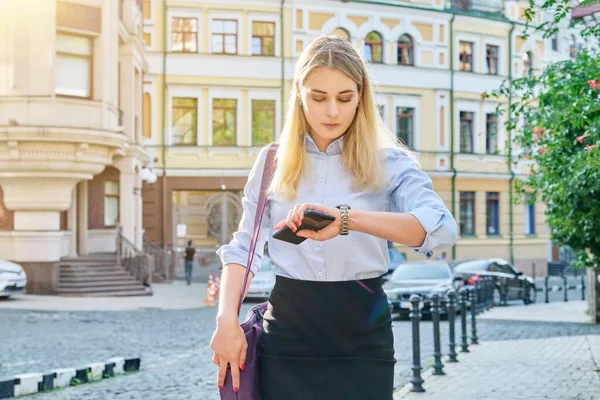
127	195
72	223
82	212
139	231
37	203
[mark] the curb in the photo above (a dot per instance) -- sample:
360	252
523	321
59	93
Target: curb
35	382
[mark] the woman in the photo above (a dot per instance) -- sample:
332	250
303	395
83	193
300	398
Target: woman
327	330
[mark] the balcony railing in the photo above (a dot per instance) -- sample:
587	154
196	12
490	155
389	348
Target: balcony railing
488	7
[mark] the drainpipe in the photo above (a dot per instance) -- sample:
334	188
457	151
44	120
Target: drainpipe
164	130
282	49
511	236
452	166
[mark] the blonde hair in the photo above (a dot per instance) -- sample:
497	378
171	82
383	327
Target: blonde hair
365	137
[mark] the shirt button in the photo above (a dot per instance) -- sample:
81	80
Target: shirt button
318	247
320	273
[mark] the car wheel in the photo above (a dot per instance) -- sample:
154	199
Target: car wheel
530	295
497	298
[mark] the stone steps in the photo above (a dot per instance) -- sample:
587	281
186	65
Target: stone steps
97	275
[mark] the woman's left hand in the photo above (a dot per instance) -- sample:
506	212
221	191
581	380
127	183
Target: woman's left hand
296	214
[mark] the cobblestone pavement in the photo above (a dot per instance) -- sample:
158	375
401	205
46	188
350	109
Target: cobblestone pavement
557	368
174	347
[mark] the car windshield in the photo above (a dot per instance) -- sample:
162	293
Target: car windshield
421	271
478	265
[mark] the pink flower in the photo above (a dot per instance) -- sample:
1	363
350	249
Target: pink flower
580	138
541	151
593	83
537	130
590	148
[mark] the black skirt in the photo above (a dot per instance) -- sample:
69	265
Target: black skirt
327	341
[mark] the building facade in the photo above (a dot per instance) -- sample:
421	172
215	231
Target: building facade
219	78
71	146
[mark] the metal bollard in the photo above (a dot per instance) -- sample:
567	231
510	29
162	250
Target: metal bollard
582	287
463	319
565	288
415	316
437	351
546	288
451	322
473	316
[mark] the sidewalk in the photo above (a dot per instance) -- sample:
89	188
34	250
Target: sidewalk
555	368
167	296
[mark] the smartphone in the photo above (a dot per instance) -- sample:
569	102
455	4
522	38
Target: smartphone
313	220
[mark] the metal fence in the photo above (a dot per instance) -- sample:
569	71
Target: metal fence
468	302
562	277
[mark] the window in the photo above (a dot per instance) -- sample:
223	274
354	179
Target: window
263	38
381	109
491	65
73	69
147	39
527	64
466	132
184	35
341	32
147	9
555	42
111	203
224	36
224	122
263	122
492	213
467	213
374	47
405	50
573	47
491	133
185	121
405	125
147	115
529	217
466	56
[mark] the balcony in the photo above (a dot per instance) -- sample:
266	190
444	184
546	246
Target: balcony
479	7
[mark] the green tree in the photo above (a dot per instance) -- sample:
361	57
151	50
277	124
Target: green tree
556	115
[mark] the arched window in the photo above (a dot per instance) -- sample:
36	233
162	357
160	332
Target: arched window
406	51
527	64
341	32
374	47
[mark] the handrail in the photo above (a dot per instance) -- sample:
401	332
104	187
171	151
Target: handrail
161	260
138	263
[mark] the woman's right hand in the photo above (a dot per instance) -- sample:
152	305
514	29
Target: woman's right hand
229	346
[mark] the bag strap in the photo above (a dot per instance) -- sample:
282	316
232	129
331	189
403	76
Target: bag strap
267	176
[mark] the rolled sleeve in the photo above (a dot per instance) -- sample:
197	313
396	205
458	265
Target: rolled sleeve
412	192
238	249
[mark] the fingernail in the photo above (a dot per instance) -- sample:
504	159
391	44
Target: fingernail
220	387
236	389
243	366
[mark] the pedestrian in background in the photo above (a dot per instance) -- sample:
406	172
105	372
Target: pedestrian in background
327	330
189	255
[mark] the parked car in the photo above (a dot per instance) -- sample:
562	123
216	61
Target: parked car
13	279
262	284
396	258
424	279
510	284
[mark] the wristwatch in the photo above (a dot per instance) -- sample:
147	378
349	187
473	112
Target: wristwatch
345	217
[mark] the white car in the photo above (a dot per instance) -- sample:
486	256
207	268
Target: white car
13	279
263	282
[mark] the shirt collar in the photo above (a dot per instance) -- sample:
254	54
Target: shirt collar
333	148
